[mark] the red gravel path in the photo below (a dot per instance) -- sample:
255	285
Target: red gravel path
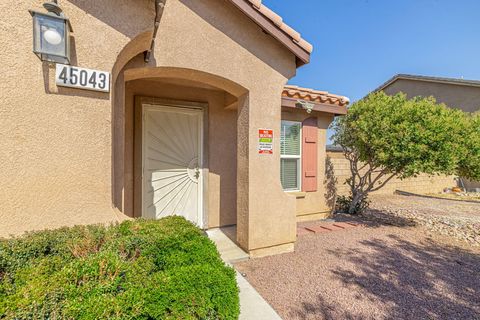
372	272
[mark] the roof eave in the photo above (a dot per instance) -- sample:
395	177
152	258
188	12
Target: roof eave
302	56
458	82
337	110
386	83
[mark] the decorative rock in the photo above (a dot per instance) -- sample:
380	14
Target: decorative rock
464	230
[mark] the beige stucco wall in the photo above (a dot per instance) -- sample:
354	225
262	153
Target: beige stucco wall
466	98
55	143
423	184
313	205
60	147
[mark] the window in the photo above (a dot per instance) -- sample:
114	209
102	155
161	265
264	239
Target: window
290	155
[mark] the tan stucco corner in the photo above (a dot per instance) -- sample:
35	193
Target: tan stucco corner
270	251
120	216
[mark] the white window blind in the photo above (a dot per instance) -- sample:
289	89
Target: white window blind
290	150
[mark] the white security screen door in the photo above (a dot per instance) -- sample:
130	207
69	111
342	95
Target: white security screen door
172	153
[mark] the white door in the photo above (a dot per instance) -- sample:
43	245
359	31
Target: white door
172	153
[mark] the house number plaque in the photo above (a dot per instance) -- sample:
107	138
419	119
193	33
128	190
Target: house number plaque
82	78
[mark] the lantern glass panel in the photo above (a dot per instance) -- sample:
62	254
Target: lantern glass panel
50	38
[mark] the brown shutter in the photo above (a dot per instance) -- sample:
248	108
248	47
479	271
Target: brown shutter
309	155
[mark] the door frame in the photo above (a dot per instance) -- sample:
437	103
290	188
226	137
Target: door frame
141	105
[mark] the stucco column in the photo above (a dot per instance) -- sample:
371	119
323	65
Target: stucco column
266	221
242	172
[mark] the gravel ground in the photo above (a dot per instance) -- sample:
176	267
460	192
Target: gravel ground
449	208
372	272
460	220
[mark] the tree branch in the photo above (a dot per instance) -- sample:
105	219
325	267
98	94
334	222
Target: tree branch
383	183
380	175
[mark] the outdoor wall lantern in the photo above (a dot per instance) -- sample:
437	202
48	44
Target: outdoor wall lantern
51	34
307	106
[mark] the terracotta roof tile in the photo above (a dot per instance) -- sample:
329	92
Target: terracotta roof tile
306	94
278	21
294	34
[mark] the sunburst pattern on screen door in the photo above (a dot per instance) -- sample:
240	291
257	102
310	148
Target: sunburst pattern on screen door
171	163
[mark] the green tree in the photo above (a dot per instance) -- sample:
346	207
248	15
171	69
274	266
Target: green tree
390	136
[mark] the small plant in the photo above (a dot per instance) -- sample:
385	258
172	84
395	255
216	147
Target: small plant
166	269
343	205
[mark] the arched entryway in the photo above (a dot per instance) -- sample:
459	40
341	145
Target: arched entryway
175	138
238	93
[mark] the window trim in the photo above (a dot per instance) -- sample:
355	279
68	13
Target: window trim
297	157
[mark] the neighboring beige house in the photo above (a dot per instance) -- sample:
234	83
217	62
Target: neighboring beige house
455	93
183	110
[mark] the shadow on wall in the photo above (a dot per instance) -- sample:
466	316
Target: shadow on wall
130	18
50	86
330	182
247	38
409	280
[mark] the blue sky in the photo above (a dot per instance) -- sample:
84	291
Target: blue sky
359	44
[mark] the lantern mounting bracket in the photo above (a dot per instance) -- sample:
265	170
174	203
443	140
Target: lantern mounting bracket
53	7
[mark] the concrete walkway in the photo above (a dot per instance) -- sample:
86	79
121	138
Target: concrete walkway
252	305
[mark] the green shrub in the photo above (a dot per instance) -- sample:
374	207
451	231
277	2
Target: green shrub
385	137
164	269
343	205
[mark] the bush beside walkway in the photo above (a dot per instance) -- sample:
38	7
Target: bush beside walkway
164	269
